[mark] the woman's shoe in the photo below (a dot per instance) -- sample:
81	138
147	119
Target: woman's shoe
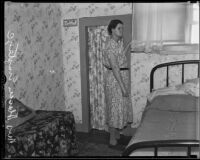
116	147
113	142
117	134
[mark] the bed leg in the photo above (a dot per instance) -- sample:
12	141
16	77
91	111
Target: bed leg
156	151
189	151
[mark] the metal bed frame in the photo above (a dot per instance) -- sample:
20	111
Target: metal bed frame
172	64
166	143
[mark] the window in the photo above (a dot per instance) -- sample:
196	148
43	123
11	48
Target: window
195	23
166	26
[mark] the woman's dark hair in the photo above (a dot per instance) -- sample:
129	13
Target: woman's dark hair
112	25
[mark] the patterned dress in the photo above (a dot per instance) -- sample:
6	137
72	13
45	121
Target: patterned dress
118	108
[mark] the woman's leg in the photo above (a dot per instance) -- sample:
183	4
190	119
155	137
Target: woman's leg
113	140
117	133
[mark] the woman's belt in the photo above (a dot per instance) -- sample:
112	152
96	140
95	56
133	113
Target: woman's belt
121	69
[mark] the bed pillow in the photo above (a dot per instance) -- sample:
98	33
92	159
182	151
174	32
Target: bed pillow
20	112
175	103
191	87
183	97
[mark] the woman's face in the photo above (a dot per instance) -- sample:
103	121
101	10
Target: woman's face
118	31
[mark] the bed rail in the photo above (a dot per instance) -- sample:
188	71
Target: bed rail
172	64
163	143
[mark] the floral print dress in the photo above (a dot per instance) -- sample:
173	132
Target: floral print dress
118	108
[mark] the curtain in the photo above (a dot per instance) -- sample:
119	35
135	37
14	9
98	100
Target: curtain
158	23
97	37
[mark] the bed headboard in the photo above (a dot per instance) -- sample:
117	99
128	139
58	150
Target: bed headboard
167	73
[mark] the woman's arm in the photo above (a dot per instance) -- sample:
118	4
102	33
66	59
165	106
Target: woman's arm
125	51
116	71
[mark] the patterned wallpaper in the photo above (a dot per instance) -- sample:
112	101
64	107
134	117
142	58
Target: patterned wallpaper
141	65
38	63
71	50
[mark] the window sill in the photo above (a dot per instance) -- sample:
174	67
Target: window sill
176	49
180	49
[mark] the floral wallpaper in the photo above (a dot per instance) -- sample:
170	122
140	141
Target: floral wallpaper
141	65
71	50
33	31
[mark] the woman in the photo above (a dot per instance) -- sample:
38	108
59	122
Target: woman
117	85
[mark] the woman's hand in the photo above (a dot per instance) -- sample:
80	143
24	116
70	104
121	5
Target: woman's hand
127	47
125	92
129	44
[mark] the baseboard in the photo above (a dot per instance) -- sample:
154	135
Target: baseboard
128	131
81	128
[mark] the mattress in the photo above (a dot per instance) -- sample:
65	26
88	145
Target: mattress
168	117
46	134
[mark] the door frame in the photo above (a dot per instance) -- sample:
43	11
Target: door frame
84	23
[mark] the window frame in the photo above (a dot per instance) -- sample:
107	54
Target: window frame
181	47
193	22
186	47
